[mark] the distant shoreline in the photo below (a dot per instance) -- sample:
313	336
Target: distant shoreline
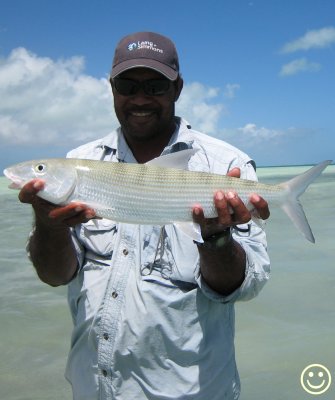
290	165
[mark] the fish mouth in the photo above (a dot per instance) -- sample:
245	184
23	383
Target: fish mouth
16	183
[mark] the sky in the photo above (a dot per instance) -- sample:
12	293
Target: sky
259	74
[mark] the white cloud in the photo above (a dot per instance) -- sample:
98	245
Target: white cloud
267	145
195	104
313	39
252	131
299	65
48	102
51	102
251	137
274	146
230	90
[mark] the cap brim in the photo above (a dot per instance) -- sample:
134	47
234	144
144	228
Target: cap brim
163	69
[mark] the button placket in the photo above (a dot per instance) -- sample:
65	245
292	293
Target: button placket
121	261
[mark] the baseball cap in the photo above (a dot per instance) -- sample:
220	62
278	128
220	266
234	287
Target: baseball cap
148	50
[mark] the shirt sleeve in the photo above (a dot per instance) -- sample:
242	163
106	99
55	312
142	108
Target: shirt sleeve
257	271
80	250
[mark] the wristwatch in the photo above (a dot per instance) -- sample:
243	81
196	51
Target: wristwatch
216	241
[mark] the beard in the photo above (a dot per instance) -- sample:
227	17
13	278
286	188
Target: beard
146	125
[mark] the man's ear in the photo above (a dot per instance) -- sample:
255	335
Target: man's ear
179	83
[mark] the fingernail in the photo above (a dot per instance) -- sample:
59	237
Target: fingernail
38	185
196	211
231	195
78	209
219	196
90	214
256	198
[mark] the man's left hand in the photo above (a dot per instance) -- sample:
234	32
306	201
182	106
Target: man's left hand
231	210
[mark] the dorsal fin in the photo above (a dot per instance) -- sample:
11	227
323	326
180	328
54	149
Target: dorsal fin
178	160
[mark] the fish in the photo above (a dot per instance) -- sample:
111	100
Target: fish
160	192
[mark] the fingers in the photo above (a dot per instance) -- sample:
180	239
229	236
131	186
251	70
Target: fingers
224	208
198	215
261	206
69	215
237	211
29	191
208	226
50	214
234	173
72	214
230	211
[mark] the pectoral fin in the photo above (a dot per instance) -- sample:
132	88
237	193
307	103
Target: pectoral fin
191	229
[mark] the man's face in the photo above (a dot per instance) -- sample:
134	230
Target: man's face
142	116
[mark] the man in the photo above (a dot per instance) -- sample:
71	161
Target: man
153	311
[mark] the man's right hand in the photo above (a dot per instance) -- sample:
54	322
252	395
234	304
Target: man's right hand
50	246
51	215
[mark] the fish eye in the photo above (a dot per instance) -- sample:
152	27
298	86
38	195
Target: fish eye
40	168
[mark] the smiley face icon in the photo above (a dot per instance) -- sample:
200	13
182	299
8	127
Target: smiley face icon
315	379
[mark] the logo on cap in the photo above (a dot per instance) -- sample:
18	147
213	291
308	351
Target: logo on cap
144	45
132	46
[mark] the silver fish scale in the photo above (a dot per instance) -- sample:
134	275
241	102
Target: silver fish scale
149	194
145	194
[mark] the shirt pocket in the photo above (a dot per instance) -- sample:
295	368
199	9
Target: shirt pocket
168	258
98	236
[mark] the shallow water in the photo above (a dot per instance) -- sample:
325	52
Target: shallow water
290	325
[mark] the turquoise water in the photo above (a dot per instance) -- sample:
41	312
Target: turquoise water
289	326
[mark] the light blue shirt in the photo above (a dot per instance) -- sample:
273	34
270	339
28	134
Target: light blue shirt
146	326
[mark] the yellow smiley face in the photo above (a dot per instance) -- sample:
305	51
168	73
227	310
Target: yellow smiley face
315	379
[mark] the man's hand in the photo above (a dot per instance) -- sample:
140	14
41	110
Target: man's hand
224	269
51	247
51	215
231	210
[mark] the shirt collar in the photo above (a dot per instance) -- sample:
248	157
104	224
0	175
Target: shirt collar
181	138
116	143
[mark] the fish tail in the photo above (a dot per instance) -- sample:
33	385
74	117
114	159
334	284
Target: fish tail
295	188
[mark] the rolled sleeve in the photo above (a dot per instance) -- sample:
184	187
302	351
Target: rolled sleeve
257	270
253	242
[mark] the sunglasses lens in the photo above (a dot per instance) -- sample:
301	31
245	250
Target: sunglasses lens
126	87
151	87
156	87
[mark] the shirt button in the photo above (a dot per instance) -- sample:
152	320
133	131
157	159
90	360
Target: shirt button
114	295
104	372
106	336
125	252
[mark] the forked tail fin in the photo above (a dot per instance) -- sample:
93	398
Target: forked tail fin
296	188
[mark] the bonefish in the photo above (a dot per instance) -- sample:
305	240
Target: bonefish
154	193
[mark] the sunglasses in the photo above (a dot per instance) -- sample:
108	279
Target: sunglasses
151	87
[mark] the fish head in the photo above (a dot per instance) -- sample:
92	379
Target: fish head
59	176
